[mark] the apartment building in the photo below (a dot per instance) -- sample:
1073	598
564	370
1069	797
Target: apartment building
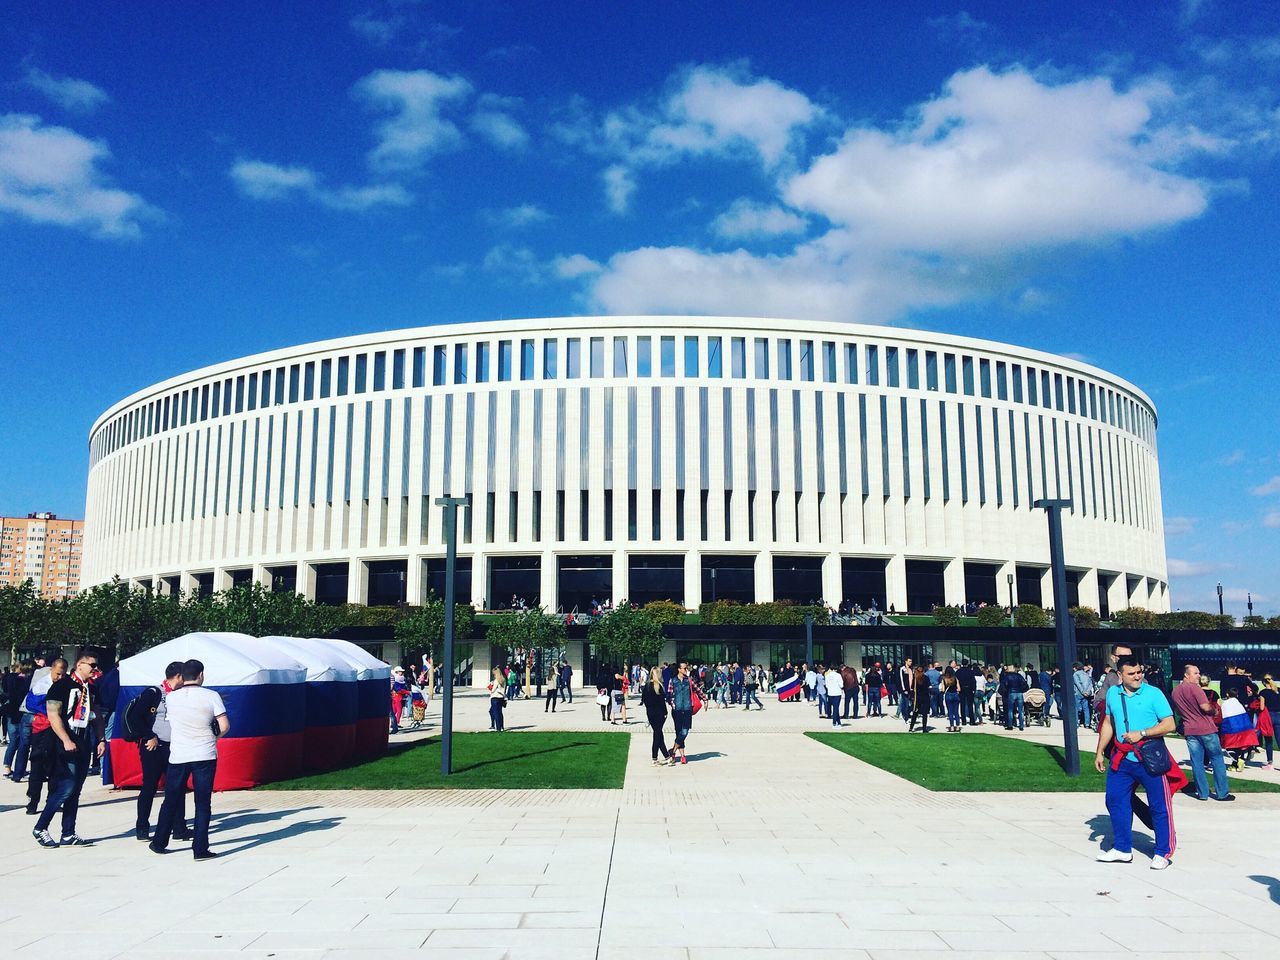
44	549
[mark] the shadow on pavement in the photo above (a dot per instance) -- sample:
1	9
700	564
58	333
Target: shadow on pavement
283	833
1271	883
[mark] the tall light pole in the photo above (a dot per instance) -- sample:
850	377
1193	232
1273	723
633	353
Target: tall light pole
1012	606
808	639
450	505
1250	596
713	584
1063	623
1220	610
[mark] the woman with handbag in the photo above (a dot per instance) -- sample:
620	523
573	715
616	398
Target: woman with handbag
682	708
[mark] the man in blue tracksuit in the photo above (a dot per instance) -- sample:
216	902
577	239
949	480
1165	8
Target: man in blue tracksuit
1136	712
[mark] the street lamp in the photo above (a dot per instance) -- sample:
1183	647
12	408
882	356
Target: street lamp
1063	622
450	505
1009	578
1220	610
713	584
1250	596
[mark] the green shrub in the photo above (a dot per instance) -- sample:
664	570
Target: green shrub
1193	620
1030	615
1086	617
1134	618
947	615
627	636
664	612
774	613
1255	622
991	616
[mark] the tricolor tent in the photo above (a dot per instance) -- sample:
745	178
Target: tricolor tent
263	688
329	730
373	699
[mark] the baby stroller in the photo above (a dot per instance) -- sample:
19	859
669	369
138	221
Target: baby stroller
1037	705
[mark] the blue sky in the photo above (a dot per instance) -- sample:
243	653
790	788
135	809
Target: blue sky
183	184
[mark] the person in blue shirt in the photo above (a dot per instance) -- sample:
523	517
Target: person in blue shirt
1136	712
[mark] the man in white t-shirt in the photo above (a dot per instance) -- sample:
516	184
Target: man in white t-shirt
197	718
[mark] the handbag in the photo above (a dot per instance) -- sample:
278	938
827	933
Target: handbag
694	700
1154	754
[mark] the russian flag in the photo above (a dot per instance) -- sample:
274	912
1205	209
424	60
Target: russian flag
789	688
1236	729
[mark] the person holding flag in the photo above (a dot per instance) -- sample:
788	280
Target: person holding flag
788	686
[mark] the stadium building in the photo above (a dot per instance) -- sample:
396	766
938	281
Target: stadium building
635	457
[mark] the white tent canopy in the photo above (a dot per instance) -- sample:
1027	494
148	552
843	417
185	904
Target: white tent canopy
230	660
324	662
368	667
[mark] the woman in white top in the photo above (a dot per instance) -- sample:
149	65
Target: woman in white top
497	699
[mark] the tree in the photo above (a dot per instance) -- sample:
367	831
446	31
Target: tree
664	611
527	630
992	616
421	629
1134	618
1030	615
1085	617
22	618
1254	622
627	636
946	615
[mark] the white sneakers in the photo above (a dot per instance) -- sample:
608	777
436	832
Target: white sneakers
1114	856
1159	863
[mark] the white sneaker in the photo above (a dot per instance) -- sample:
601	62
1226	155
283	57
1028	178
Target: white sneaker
1159	863
1114	856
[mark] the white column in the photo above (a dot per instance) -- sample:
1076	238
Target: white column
357	582
953	582
764	575
895	583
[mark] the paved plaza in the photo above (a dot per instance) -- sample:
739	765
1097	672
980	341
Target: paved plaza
767	844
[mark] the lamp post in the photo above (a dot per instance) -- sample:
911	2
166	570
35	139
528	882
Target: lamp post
808	639
1012	607
1063	622
713	584
1220	610
450	505
1250	603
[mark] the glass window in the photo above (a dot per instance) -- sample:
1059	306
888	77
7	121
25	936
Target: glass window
966	366
1031	386
573	358
266	387
872	355
644	356
526	359
439	361
668	356
459	363
931	370
619	356
738	357
482	362
949	371
1044	389
293	382
1015	375
913	369
1002	387
380	370
1057	390
362	372
419	366
762	358
504	360
344	367
984	377
397	370
226	390
784	359
891	366
597	356
280	386
851	363
550	359
806	360
308	381
829	361
252	391
690	356
715	363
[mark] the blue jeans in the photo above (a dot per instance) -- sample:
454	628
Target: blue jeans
851	697
175	785
11	729
1120	786
495	712
1015	707
682	720
1084	709
953	708
873	702
67	773
749	694
22	751
1198	745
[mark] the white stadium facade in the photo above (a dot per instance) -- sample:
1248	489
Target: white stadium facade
635	457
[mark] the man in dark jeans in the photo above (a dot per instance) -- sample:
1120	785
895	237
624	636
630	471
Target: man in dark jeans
153	753
70	715
197	718
566	681
968	689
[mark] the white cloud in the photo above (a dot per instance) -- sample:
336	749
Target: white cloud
1268	489
1177	526
619	185
1271	519
270	181
416	130
51	175
746	218
77	96
493	121
379	31
952	206
1234	457
519	264
1002	161
574	266
1189	568
513	218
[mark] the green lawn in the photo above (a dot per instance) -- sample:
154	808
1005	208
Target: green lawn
982	762
512	760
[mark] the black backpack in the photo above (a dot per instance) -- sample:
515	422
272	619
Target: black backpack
140	715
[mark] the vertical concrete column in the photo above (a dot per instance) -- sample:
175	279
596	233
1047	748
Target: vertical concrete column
481	665
895	583
760	652
221	580
853	654
621	589
1089	589
547	582
668	654
1050	602
832	586
479	581
692	582
953	582
943	650
1005	596
764	576
188	583
357	582
261	575
413	581
575	652
1030	653
305	580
